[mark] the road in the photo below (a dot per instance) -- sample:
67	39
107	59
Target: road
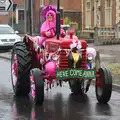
59	103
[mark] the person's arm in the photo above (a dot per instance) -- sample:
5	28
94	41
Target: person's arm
43	29
62	33
44	32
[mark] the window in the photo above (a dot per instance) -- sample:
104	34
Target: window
88	5
88	15
108	12
108	3
20	15
41	3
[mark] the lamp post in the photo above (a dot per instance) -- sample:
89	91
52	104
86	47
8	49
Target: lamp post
25	16
12	18
30	17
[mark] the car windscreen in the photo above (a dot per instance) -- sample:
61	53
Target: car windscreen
6	30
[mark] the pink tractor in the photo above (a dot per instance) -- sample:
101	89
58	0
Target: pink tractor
62	59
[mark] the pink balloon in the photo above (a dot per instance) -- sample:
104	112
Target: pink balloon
50	68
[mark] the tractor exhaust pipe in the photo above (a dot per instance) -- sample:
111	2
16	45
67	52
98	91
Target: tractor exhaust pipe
58	20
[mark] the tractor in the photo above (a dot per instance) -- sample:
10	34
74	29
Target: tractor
61	60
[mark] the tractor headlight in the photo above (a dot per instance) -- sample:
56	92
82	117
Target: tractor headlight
90	57
55	57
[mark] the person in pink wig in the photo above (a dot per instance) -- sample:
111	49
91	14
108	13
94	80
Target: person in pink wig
48	29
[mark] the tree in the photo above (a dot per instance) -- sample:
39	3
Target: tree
67	20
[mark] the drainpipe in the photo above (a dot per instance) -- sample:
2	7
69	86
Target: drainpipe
58	20
31	16
25	16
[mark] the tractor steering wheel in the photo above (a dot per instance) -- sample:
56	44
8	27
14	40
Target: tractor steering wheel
53	28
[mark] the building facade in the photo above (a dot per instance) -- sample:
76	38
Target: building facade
71	10
98	13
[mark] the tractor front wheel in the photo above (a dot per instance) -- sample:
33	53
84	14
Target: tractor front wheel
37	86
75	86
103	85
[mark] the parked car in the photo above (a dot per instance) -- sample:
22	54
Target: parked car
8	36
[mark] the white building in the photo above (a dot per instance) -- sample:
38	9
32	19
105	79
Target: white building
99	13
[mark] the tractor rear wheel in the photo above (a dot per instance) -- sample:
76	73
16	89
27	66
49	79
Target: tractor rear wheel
103	85
20	67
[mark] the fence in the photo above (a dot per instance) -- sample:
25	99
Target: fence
106	35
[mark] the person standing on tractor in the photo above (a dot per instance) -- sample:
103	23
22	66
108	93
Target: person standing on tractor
48	28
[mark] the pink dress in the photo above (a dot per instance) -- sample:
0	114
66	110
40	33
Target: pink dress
46	26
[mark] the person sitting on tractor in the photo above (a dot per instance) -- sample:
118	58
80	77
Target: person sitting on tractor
48	28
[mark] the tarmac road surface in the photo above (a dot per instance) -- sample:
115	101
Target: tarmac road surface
59	103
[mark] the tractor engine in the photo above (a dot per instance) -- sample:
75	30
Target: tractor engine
72	59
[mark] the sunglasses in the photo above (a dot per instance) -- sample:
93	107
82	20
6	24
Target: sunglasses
49	14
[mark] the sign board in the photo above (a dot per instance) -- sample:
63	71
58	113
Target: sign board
5	5
76	73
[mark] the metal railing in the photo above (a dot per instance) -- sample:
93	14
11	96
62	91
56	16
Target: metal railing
106	35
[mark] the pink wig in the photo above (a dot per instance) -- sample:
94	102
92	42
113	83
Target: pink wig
46	9
52	13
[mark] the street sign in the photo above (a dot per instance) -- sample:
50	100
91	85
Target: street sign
5	5
76	73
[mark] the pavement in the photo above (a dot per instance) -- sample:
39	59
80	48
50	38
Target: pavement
6	55
108	54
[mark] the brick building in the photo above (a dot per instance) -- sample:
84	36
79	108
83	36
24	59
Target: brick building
72	11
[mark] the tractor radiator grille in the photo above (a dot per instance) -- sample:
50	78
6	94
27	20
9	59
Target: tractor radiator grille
63	64
84	62
63	61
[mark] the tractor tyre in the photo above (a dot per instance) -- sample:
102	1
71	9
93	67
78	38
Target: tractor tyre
75	86
97	61
20	68
37	86
103	87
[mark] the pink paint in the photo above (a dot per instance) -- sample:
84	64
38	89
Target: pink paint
50	68
15	70
32	86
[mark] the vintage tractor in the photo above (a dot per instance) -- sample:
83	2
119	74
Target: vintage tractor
62	59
